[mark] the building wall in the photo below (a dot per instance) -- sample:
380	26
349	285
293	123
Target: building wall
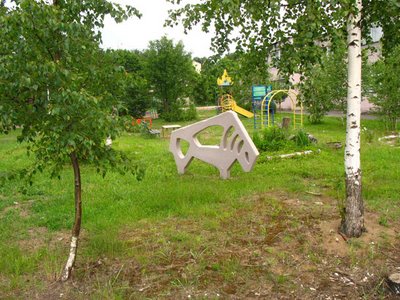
197	66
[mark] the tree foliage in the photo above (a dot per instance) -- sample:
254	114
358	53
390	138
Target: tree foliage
302	30
386	15
136	96
259	27
170	72
385	83
325	87
56	83
204	90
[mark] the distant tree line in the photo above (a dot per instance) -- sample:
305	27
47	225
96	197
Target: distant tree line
163	77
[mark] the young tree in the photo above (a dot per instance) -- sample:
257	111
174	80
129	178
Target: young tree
325	87
170	72
302	30
59	87
136	97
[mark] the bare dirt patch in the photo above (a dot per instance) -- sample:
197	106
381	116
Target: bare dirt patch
39	237
21	208
335	243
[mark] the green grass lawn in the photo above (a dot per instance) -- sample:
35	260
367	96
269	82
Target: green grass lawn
134	230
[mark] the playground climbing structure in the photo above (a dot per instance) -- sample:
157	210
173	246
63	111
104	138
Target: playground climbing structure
297	108
226	102
261	117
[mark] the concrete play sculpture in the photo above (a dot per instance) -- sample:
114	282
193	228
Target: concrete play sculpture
235	144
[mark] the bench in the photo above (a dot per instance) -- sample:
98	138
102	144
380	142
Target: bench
154	132
167	129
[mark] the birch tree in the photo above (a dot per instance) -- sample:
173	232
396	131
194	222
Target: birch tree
353	222
302	31
59	87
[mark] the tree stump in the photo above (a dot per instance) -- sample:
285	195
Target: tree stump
393	282
285	122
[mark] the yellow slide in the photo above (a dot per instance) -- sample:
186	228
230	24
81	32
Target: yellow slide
226	102
242	111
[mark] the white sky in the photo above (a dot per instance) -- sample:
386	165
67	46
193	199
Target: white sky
136	33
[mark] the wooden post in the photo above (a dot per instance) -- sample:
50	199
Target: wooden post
286	123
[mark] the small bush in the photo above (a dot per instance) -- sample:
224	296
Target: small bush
173	114
178	113
129	127
270	139
190	113
275	139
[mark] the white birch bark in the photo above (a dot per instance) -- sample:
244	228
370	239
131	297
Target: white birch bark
353	223
71	259
78	219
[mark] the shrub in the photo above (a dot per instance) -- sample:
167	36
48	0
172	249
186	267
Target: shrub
190	113
129	127
275	139
271	139
178	113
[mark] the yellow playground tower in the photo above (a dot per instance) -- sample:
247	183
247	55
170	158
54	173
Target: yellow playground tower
226	101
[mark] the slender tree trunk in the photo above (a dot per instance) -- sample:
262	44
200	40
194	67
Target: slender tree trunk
166	106
78	200
353	222
78	218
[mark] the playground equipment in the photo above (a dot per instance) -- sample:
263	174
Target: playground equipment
235	144
226	102
149	116
142	120
267	101
258	92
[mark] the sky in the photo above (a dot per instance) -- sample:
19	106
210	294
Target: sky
136	33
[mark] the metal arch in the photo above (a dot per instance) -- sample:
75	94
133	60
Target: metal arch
290	93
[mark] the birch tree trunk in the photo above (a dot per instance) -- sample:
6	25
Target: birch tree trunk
78	219
353	223
78	200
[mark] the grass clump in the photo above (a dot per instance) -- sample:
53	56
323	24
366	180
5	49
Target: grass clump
270	139
276	139
301	139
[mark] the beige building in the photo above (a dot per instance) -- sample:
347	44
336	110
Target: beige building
197	66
